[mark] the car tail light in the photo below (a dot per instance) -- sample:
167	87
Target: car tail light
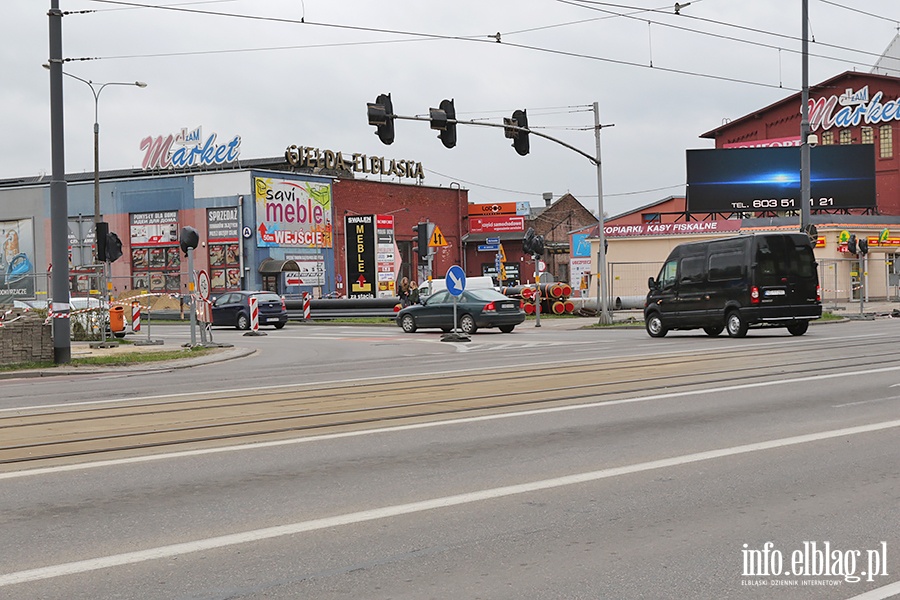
754	295
818	293
489	307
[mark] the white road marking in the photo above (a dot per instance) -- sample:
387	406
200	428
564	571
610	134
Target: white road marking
246	537
881	593
869	401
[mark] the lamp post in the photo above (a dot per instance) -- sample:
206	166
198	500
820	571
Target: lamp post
96	88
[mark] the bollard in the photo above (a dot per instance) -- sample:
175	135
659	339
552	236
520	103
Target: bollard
135	317
306	306
254	317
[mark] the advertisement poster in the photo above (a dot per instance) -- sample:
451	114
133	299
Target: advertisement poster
360	236
292	213
385	255
154	229
16	260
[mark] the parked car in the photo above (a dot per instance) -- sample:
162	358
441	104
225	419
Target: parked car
477	308
233	309
767	279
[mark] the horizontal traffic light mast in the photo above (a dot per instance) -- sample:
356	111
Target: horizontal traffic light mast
381	115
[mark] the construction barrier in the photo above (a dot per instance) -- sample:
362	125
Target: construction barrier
135	317
254	314
306	306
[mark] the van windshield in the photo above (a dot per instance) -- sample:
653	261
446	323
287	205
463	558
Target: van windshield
780	256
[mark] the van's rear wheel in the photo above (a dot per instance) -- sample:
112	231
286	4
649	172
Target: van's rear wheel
654	324
714	330
735	324
798	327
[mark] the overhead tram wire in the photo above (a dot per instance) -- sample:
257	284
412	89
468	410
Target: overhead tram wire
431	36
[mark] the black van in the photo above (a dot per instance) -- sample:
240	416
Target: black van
733	283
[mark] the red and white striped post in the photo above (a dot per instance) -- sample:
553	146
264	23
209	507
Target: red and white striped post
135	317
254	314
306	308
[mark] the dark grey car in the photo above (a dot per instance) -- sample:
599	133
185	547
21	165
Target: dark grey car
233	309
475	309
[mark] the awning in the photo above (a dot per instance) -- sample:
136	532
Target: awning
270	265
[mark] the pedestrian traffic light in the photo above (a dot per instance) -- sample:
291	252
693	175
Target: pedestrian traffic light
102	230
422	236
441	120
863	245
381	115
851	244
520	138
528	241
113	247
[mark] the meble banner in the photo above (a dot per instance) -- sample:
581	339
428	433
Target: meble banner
292	213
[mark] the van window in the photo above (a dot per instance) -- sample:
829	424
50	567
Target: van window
692	269
726	265
667	274
779	256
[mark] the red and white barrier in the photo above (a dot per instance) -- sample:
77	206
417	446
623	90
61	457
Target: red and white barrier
135	317
254	314
306	306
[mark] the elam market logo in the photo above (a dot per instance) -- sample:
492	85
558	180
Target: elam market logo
188	149
856	108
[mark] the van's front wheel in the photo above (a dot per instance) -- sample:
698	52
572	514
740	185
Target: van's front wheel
655	326
735	324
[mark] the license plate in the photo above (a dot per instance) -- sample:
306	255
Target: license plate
775	292
270	319
508	305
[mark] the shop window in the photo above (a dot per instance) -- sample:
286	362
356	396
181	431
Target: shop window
828	138
886	141
651	218
224	267
867	135
845	137
155	255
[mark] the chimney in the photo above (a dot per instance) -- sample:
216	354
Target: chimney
548	198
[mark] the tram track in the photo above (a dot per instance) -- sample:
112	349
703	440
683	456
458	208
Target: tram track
134	426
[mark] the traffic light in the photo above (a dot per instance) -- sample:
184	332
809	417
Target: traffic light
851	244
440	120
537	247
519	137
102	230
189	239
113	247
422	236
863	246
528	241
381	115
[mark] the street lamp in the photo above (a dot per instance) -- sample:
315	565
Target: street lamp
96	88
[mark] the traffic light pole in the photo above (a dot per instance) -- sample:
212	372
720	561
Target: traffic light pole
602	292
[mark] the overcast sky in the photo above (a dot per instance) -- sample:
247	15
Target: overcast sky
301	72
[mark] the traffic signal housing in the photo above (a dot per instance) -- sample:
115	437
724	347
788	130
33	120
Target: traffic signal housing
100	235
851	244
189	239
863	245
423	235
381	115
441	120
520	138
113	247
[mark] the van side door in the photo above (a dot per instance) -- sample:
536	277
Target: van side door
664	295
692	294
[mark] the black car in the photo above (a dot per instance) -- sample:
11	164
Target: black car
475	309
233	309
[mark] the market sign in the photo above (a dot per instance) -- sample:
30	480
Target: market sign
188	149
856	107
314	158
496	224
292	213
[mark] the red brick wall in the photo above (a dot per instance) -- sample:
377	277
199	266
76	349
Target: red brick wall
443	206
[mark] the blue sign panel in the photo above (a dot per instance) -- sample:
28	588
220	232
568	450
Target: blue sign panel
455	280
488	247
492	241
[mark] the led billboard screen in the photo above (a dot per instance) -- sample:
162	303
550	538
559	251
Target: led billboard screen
766	179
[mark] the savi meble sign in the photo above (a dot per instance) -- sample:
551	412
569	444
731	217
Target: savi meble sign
292	213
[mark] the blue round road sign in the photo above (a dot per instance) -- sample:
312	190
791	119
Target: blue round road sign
455	280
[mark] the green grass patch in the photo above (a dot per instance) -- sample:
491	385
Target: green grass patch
118	360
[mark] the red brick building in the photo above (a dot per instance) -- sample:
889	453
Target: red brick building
850	108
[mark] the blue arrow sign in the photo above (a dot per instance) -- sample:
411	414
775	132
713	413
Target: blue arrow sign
492	240
488	247
455	280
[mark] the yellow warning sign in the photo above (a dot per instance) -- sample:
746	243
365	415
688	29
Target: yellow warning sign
437	238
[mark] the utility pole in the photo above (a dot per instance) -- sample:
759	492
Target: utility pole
805	192
59	202
602	291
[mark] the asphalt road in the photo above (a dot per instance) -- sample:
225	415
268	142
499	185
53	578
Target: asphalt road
665	479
